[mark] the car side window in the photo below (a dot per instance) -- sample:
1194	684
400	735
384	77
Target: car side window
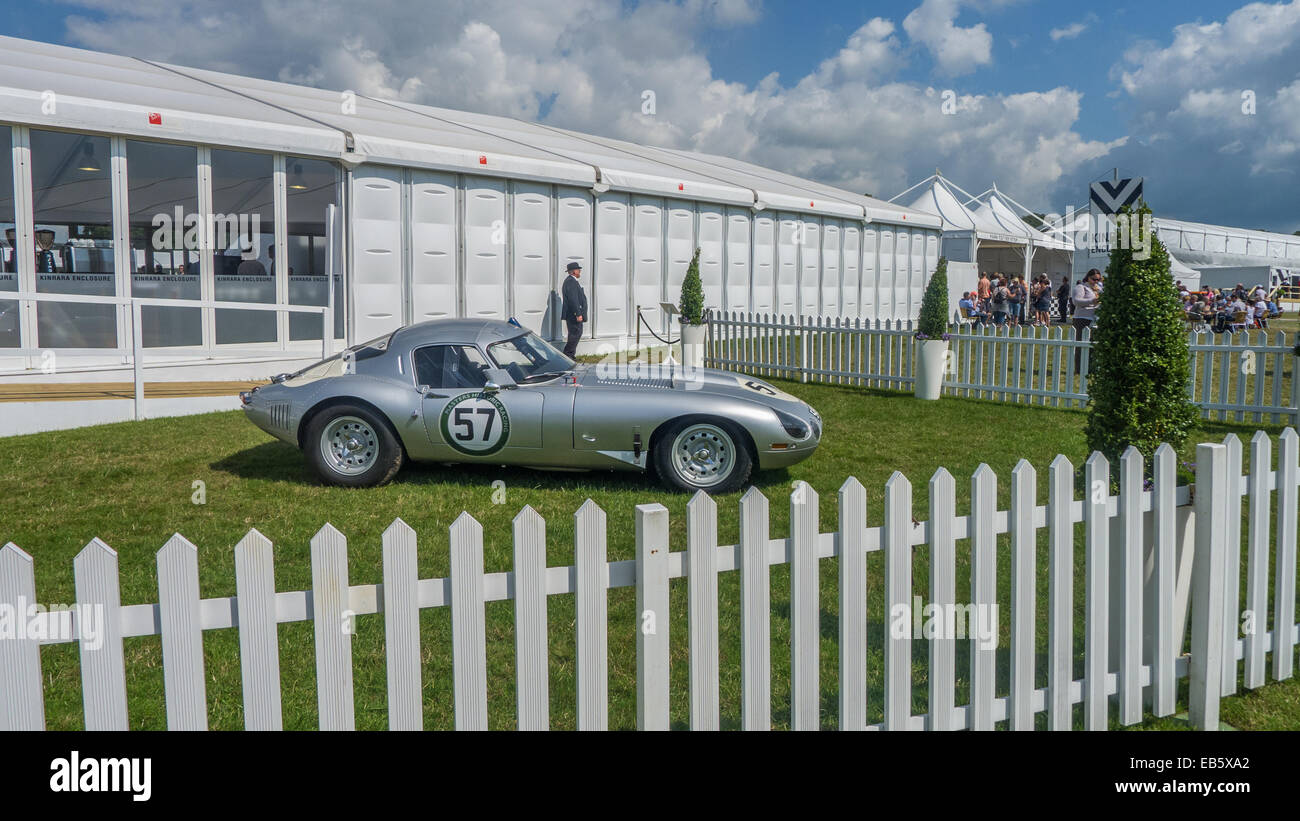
450	366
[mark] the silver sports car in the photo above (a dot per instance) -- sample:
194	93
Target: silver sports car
469	390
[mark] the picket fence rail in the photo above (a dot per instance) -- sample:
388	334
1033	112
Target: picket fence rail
1152	555
1241	377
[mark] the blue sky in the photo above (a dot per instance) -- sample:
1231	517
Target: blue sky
844	92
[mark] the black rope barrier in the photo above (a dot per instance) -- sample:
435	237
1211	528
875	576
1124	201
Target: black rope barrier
640	318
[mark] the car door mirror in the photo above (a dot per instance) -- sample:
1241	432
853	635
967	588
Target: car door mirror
491	387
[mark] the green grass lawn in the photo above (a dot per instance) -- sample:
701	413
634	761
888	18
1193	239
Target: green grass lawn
131	485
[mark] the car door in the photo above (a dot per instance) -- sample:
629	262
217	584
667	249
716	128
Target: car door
463	421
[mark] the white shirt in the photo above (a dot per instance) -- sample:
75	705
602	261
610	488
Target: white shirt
1085	301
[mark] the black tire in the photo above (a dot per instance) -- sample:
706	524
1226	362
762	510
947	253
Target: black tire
723	467
351	446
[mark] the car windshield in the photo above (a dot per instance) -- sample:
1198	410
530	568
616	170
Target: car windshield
528	357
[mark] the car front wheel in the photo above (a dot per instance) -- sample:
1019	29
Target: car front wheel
702	455
347	445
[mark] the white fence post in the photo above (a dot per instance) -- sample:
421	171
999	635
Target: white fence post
1256	644
468	643
805	632
531	653
22	701
755	614
943	595
1162	646
702	584
402	628
182	635
1024	616
259	653
852	540
103	676
1060	596
1126	566
983	593
1232	560
592	626
896	541
1096	638
1205	670
652	617
333	624
1284	635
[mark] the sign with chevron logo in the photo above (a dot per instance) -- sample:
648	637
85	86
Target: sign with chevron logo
1109	197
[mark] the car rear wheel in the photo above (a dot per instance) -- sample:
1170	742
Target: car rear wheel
348	445
702	455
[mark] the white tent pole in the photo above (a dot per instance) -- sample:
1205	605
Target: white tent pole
913	188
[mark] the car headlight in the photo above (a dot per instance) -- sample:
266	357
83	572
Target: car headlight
793	425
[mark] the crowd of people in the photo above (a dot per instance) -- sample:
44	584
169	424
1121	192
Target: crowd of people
1003	300
1009	300
1222	309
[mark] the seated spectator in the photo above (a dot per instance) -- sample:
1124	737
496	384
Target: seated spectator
968	306
1260	314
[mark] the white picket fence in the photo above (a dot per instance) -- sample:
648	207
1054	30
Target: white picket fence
1233	377
1151	555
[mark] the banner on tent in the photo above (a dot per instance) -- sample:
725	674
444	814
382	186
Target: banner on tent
1109	198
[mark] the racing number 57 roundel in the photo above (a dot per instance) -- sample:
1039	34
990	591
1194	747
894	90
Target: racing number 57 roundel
475	424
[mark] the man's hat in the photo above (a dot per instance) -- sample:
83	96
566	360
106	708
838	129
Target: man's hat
573	266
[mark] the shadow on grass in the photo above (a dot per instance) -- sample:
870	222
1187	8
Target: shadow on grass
278	461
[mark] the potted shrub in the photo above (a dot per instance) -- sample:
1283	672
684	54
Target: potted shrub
692	315
932	335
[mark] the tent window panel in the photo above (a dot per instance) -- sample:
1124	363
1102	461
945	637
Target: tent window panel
830	287
311	186
711	238
243	254
849	277
647	247
531	234
72	203
764	261
165	235
609	282
738	257
9	328
787	268
433	239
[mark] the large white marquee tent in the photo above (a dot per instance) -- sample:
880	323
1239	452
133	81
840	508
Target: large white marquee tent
441	213
985	233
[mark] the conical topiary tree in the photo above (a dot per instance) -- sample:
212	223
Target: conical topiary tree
1138	366
933	322
692	304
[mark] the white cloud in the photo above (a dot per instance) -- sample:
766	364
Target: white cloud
850	122
1068	32
1223	99
955	50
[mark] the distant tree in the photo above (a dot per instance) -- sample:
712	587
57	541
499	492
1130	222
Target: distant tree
1035	220
1138	368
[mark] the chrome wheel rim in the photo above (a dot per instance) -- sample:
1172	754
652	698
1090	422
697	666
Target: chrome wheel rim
703	455
349	445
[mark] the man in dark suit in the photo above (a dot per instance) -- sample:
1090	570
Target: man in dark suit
575	308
